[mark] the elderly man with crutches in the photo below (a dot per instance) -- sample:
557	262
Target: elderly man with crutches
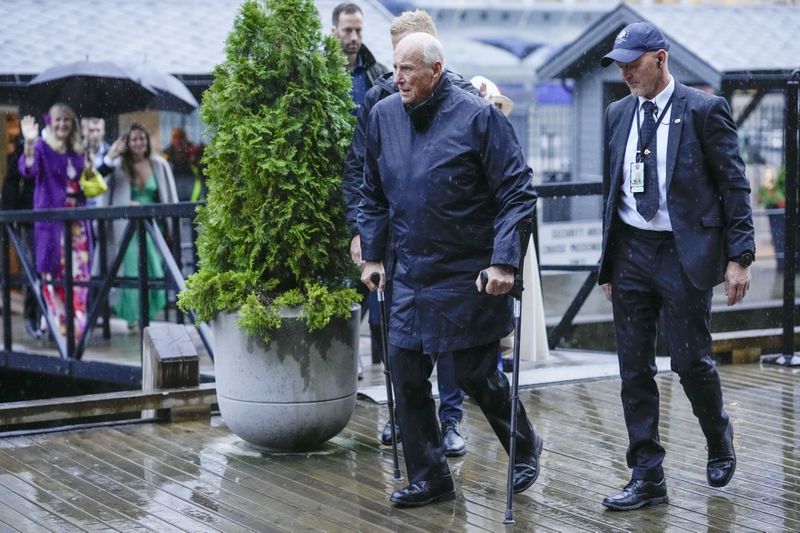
452	213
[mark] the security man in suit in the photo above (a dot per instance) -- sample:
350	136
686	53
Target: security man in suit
676	222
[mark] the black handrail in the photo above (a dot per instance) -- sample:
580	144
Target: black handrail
790	234
554	190
141	221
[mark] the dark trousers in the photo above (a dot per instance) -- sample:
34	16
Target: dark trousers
647	281
477	374
451	398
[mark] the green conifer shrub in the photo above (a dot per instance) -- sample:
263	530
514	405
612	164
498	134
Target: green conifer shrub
273	232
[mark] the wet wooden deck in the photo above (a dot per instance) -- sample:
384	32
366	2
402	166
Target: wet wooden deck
196	476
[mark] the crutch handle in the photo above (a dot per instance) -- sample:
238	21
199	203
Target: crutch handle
375	278
516	290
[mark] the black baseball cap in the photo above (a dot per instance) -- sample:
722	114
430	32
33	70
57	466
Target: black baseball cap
634	40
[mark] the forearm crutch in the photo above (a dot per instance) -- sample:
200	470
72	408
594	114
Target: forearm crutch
512	448
375	278
516	293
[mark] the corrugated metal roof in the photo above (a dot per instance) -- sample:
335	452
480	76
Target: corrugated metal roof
733	38
719	39
177	36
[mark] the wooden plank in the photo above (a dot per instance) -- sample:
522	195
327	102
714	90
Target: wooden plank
152	498
688	420
364	484
564	493
491	510
261	504
383	472
194	500
56	503
64	409
111	511
198	476
97	487
265	481
695	471
21	515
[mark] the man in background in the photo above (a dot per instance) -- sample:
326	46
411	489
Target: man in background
94	139
348	26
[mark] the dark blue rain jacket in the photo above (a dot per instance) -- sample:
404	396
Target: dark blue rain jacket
449	181
353	174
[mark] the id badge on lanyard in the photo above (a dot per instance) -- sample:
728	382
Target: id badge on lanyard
637	177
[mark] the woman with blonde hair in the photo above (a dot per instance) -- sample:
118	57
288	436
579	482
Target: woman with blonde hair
55	163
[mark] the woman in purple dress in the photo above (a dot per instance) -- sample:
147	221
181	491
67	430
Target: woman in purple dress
55	164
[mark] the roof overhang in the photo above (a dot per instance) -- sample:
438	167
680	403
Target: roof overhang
585	52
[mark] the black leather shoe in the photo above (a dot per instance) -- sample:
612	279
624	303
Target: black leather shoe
424	492
638	493
454	445
386	435
525	474
721	461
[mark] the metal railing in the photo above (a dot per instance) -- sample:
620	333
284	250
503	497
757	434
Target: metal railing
141	222
558	190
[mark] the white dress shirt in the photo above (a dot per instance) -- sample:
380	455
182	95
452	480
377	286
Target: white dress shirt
627	205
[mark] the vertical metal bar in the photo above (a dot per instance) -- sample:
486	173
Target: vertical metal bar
177	254
69	296
144	285
144	278
535	234
790	234
6	265
105	310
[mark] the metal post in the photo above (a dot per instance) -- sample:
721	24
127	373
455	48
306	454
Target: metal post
144	278
790	235
69	295
6	265
103	258
789	357
144	283
177	254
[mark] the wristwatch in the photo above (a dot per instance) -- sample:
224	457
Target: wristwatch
745	258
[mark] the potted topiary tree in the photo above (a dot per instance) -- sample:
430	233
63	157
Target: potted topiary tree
275	275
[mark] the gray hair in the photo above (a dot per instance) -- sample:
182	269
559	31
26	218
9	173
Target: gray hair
430	46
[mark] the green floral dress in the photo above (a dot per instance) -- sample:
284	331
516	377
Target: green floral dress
128	303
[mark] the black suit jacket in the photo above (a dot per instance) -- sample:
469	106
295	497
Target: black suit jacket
708	194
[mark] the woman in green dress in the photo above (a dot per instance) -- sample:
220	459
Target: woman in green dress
140	177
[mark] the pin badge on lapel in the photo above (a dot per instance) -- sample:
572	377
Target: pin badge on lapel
647	151
677	121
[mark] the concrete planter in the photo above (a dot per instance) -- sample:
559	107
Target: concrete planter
294	393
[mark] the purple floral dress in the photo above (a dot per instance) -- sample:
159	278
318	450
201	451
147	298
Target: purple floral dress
57	184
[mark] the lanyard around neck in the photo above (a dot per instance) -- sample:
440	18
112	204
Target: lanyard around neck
640	145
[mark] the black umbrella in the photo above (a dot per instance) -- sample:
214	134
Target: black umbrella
171	93
92	89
